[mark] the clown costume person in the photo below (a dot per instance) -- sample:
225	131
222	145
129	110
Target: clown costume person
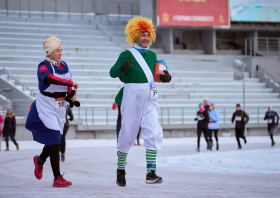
139	106
46	117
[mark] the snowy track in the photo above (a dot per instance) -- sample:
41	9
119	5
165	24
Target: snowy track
91	166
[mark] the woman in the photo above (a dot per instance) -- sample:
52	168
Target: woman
10	128
213	125
202	125
46	117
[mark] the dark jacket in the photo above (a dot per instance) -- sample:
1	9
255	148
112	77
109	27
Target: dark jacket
239	117
70	114
203	119
206	107
9	125
270	117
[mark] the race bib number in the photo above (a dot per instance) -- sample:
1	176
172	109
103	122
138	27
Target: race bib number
60	105
269	121
211	124
238	118
154	93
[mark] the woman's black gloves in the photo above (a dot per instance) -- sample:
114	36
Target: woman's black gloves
126	65
166	78
68	99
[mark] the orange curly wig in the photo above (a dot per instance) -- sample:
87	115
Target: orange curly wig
136	26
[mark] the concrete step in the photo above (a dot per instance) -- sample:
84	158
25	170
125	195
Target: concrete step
92	92
174	80
93	60
47	21
193	103
172	85
100	54
64	38
72	48
49	30
105	73
166	94
34	30
63	43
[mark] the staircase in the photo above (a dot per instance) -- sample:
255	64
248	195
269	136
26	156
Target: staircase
90	54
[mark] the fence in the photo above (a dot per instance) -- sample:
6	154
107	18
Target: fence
269	79
167	115
9	77
104	115
262	46
69	9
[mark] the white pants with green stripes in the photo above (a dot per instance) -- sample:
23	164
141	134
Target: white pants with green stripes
138	109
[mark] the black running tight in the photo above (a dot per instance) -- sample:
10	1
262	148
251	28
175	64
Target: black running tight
52	151
199	130
215	134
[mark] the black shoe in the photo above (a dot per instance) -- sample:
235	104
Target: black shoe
152	178
239	147
210	148
245	141
217	147
273	143
121	177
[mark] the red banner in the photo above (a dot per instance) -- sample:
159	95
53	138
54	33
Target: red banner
193	13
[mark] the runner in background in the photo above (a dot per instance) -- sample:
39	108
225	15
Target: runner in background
1	121
213	125
241	118
65	130
206	105
270	117
202	125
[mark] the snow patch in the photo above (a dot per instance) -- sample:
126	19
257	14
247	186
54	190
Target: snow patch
240	161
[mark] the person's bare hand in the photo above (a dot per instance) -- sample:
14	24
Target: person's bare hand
75	85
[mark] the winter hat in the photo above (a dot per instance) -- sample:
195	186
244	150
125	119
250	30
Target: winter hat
201	107
136	26
51	44
238	105
212	104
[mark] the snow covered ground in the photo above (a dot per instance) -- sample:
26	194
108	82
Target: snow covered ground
253	171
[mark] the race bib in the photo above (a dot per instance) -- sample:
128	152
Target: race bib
200	117
238	118
154	93
60	105
269	121
211	124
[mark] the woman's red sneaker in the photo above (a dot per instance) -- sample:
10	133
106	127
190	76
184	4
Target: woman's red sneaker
38	172
61	182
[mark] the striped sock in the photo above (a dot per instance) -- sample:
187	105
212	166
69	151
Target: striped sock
121	160
151	156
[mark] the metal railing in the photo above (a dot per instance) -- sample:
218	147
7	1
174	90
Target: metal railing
270	80
69	9
104	115
262	46
113	10
9	77
99	26
167	115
